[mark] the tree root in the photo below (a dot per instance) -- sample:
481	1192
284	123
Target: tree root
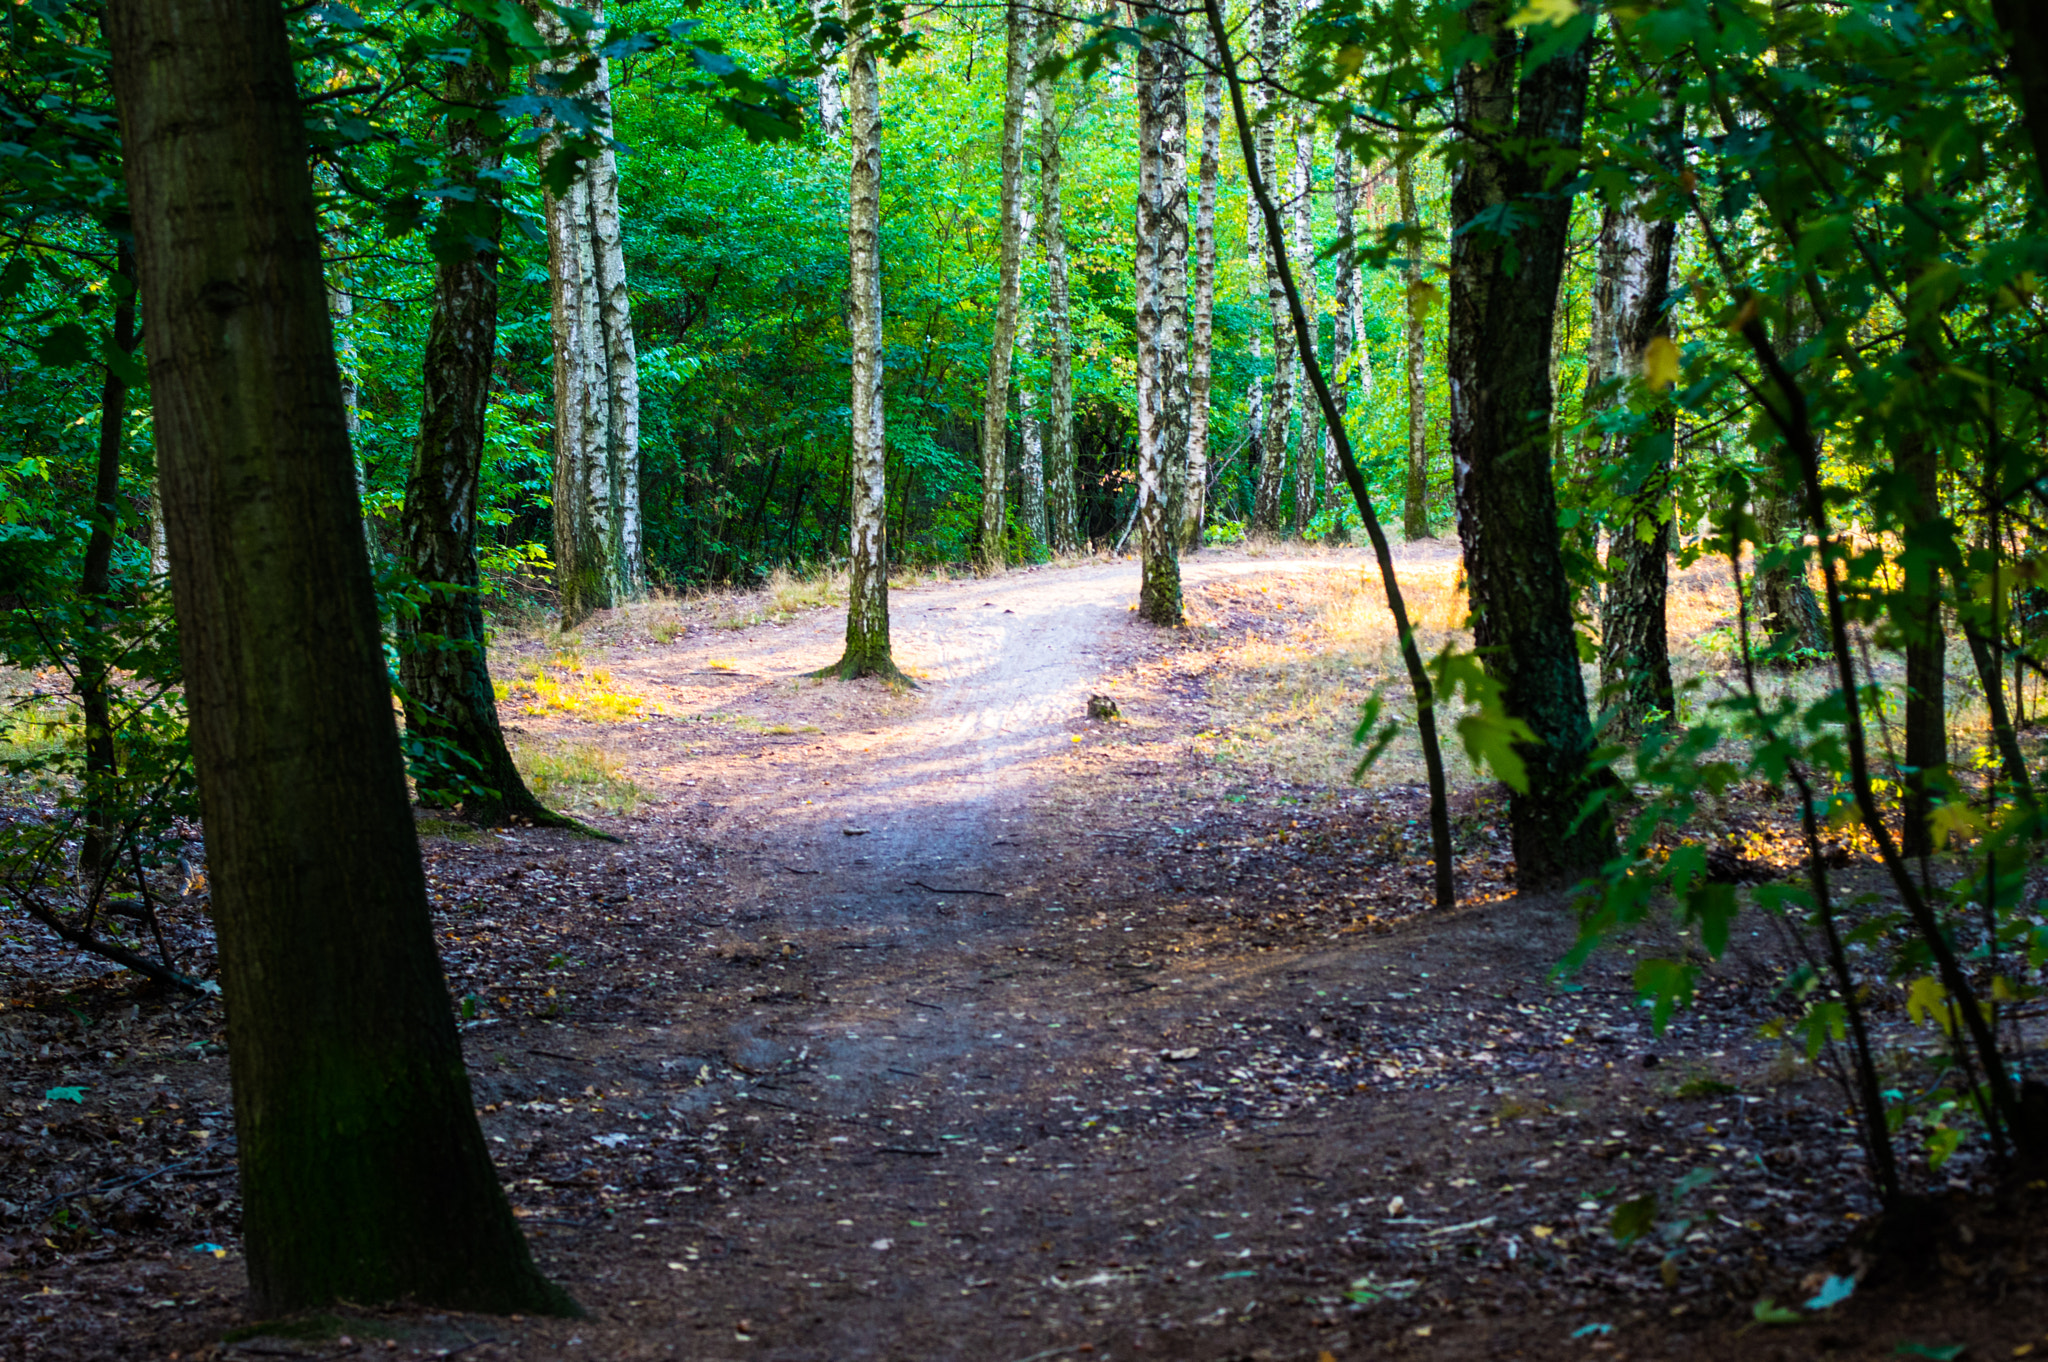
868	662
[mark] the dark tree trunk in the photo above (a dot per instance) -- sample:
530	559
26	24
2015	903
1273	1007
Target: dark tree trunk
102	761
1918	462
1787	610
442	662
1523	130
2026	31
364	1174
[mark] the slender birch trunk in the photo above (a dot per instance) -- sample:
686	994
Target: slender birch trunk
448	697
1161	265
1268	515
1634	282
1200	348
867	591
831	99
1255	343
995	407
1415	504
1350	360
1309	453
597	387
1062	496
1030	427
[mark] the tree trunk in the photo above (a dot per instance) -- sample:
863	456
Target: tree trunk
441	657
831	100
1268	513
867	589
1634	284
1503	305
1161	266
1787	610
1030	428
995	405
94	679
1415	502
1194	501
1255	389
1308	455
1917	459
2026	32
1350	359
597	385
1062	496
364	1174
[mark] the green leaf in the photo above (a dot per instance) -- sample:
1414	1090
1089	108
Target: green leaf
1941	1353
1633	1219
1768	1311
65	1095
67	345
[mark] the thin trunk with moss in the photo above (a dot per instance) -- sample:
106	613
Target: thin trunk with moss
1161	268
1061	493
1202	322
990	549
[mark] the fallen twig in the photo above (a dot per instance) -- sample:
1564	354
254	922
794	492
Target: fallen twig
985	893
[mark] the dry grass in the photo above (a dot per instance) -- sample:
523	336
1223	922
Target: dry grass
562	685
578	778
1290	661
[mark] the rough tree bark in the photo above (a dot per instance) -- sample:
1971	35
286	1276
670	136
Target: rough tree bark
597	384
1309	454
1632	288
1161	267
364	1174
1521	133
1268	513
93	683
1194	499
867	589
1415	501
441	656
995	404
1062	495
1255	347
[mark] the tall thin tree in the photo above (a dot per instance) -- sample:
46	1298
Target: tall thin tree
1268	513
597	540
442	665
1062	495
995	404
1520	129
361	1161
1161	267
1202	321
867	591
1301	210
1414	355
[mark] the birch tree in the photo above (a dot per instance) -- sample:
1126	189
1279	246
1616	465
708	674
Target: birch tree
1062	495
1030	427
1632	286
995	407
597	540
1161	270
831	99
1415	316
867	589
1202	321
1267	511
1350	359
1302	192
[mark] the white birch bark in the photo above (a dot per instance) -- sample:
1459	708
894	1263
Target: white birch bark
995	408
867	596
1062	496
1161	279
1415	503
597	545
1267	511
1194	503
1309	454
831	100
1350	360
1030	426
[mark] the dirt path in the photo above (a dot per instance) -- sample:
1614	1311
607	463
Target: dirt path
956	1025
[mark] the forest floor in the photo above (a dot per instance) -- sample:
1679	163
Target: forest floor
955	1024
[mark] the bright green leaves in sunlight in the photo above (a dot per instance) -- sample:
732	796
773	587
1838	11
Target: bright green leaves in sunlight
1489	733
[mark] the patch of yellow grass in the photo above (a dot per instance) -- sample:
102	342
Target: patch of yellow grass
564	687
